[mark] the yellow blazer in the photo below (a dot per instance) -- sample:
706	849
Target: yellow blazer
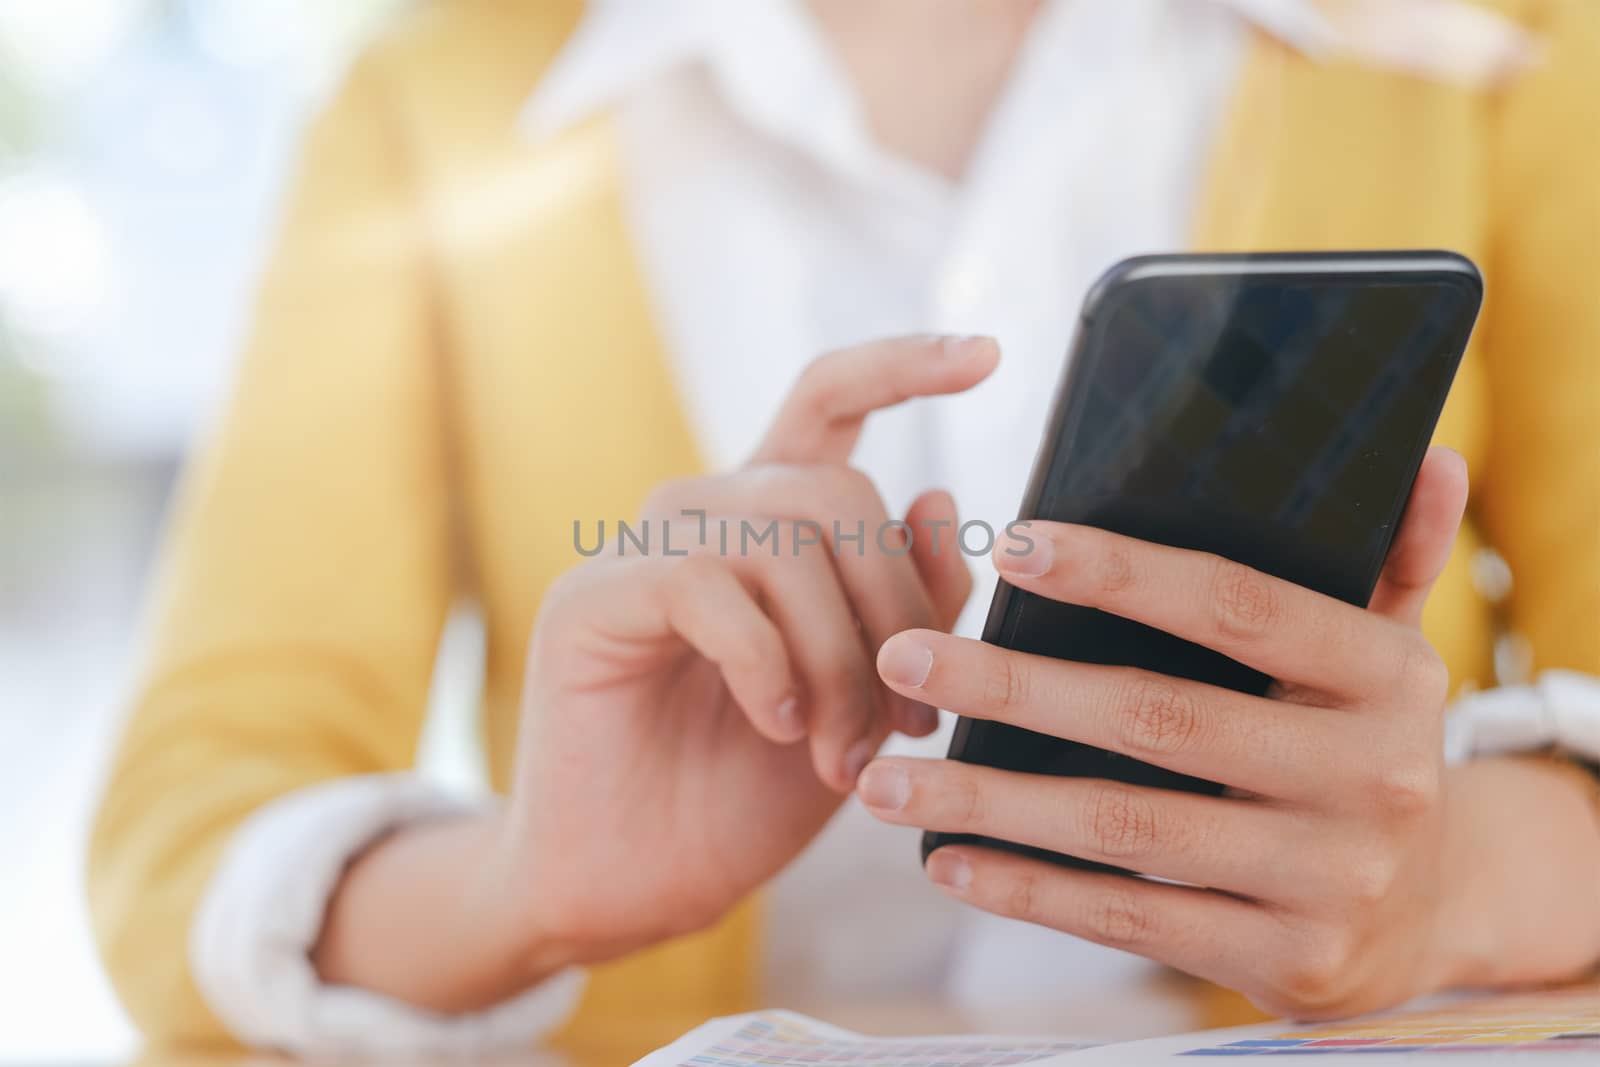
450	308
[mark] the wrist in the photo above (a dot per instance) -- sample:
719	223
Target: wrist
428	915
1462	944
532	937
1520	878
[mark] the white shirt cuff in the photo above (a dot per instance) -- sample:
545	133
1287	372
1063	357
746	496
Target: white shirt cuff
262	913
1561	709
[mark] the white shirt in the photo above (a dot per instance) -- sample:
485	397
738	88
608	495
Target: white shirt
772	228
735	120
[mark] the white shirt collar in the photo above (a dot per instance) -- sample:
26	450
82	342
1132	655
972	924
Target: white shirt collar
621	45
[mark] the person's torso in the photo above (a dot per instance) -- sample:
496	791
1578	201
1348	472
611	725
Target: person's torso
568	401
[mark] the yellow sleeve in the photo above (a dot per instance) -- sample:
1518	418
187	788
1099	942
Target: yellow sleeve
1539	500
306	577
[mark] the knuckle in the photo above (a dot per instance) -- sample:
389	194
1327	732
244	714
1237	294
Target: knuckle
1159	718
1120	918
1422	672
773	481
1243	601
1316	975
1022	897
808	555
742	654
1114	569
565	592
966	800
669	497
824	395
691	573
850	494
565	587
685	583
1005	686
1371	879
755	650
803	545
820	370
757	655
1122	822
1405	788
856	483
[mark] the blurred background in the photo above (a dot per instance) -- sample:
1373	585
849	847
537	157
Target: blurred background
143	145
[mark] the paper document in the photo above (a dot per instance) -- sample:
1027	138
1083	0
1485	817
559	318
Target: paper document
1484	1030
784	1039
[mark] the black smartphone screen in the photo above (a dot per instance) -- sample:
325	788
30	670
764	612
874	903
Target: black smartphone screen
1271	409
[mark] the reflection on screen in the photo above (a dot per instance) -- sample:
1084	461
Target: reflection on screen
1272	420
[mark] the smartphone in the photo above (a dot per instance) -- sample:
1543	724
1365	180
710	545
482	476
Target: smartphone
1273	409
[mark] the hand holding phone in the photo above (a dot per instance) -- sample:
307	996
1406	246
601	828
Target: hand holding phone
1270	410
1227	692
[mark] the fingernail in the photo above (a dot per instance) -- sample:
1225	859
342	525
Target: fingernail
884	786
859	755
1030	556
959	347
790	719
905	661
950	870
921	719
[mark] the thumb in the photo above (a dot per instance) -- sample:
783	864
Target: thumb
1427	534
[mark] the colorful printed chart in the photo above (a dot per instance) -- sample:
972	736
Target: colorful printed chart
781	1039
1509	1029
1554	1022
